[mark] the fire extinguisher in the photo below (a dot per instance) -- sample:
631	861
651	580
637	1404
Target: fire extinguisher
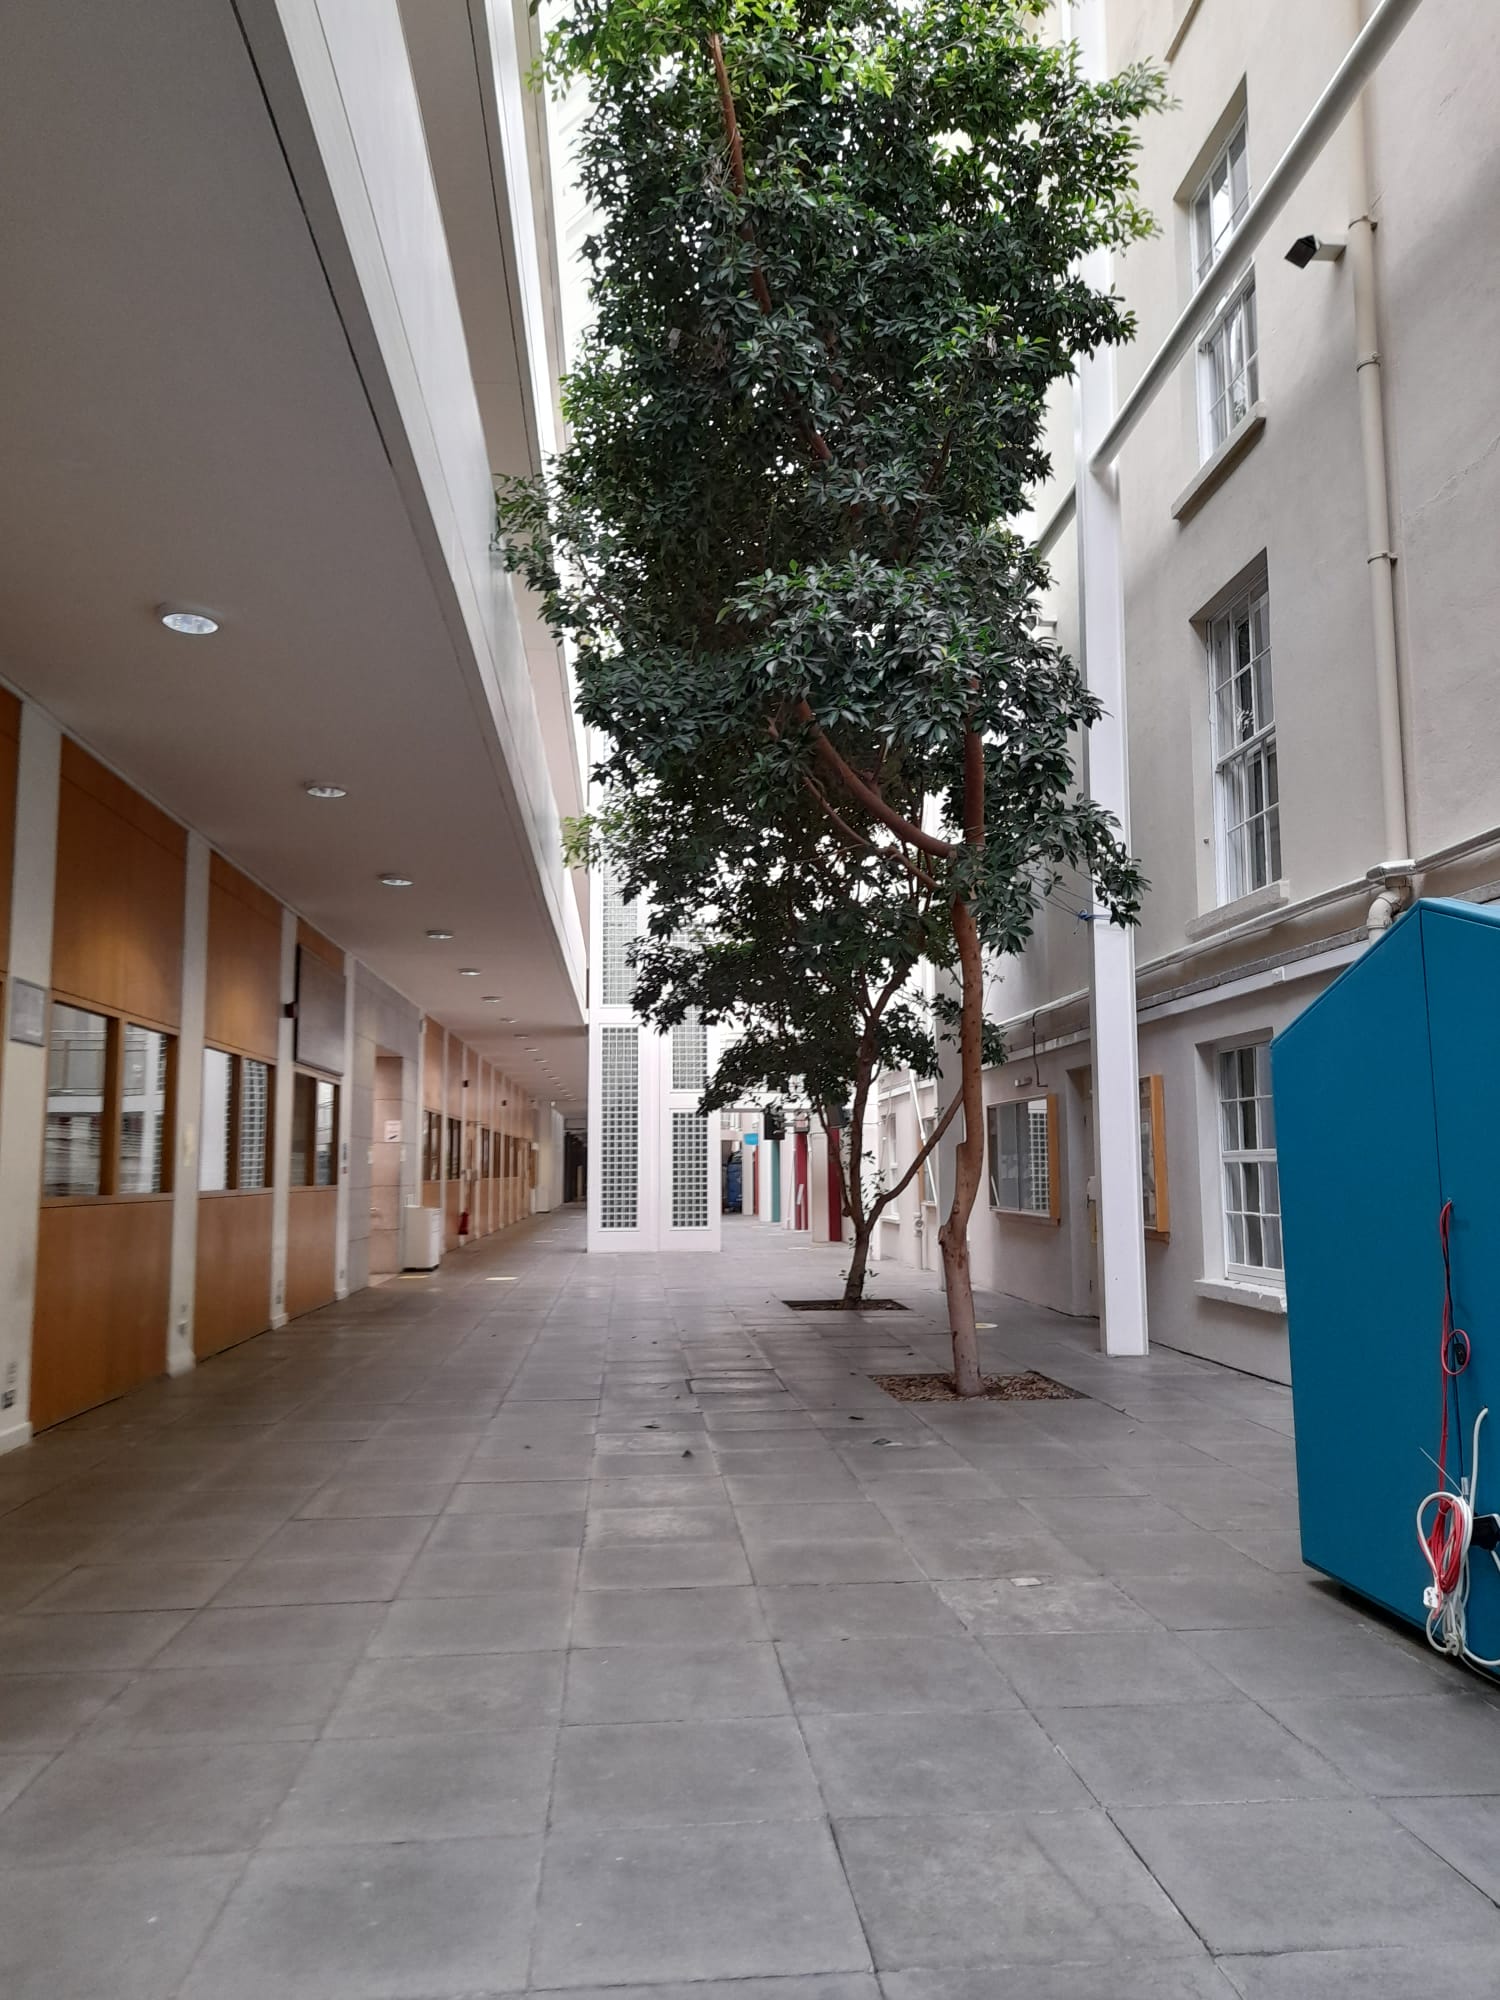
463	1224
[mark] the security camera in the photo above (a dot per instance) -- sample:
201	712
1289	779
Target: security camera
1315	250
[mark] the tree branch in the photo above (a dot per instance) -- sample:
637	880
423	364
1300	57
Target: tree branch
890	1194
908	830
920	875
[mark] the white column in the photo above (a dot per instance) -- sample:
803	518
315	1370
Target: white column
281	1146
346	1126
180	1354
23	1072
1117	1141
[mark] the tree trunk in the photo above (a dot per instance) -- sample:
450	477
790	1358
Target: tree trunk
854	1284
969	1165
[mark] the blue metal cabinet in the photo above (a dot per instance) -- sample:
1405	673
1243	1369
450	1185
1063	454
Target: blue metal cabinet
1387	1105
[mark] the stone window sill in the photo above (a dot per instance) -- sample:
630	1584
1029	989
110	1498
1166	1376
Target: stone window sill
1243	910
1214	471
1242	1292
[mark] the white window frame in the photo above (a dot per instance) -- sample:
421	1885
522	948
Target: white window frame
1242	738
1249	1180
1228	175
1228	368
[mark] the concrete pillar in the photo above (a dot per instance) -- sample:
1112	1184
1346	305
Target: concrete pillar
189	1086
281	1138
341	1154
23	1072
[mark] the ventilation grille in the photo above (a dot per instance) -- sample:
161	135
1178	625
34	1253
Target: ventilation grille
622	926
619	1123
690	1054
689	1170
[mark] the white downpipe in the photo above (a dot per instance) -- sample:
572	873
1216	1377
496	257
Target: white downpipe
1381	558
1116	1080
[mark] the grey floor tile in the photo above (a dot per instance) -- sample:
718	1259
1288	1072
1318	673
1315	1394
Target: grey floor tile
1249	1595
23	1582
17	1769
375	1923
277	1700
1044	1604
1104	1669
692	1903
1389	1744
609	1527
503	1534
1457	1972
315	1580
530	1620
1186	1551
356	1535
667	1773
545	1496
873	1559
94	1804
1011	1889
352	1499
857	1611
821	1986
1193	1752
1305	1876
900	1674
871	1765
210	1538
644	1565
418	1788
243	1635
123	1930
815	1521
673	1684
1464	1831
450	1692
828	1481
67	1642
45	1711
467	1573
1320	1661
996	1555
654	1489
1131	1978
686	1617
137	1586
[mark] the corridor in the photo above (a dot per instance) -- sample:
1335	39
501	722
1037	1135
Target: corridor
598	1626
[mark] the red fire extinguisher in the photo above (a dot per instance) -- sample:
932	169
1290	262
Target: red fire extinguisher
463	1224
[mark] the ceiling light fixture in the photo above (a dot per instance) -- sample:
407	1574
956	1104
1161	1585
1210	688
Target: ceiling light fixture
440	937
197	624
468	972
326	791
396	881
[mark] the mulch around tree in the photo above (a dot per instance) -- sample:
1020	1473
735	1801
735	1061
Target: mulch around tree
838	1306
1026	1388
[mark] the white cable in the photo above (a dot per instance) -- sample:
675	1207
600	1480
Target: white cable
1447	1611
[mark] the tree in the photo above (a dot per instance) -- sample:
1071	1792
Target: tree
807	945
837	271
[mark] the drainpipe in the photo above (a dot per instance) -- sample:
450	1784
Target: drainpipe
1394	876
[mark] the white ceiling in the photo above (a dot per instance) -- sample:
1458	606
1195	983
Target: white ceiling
182	421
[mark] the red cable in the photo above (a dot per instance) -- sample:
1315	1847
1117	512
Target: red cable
1445	1537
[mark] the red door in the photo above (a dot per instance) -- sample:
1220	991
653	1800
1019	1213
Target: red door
800	1217
835	1196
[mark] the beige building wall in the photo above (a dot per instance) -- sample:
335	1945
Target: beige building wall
1290	503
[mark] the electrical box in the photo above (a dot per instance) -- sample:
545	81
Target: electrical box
421	1238
1387	1093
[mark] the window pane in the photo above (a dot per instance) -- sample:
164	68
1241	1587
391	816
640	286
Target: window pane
143	1109
255	1123
302	1130
76	1052
1037	1192
325	1116
213	1125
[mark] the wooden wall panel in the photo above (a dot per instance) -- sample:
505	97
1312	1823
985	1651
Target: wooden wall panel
233	1299
117	931
319	946
10	746
103	1290
311	1218
244	964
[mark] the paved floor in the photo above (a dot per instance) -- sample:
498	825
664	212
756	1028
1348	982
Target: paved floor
598	1626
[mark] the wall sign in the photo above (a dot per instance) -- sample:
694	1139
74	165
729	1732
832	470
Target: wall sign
28	1013
393	1131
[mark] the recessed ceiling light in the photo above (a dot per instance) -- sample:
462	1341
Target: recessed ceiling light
197	624
396	881
468	972
492	999
326	791
440	937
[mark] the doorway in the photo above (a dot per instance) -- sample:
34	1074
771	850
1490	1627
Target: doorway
387	1151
